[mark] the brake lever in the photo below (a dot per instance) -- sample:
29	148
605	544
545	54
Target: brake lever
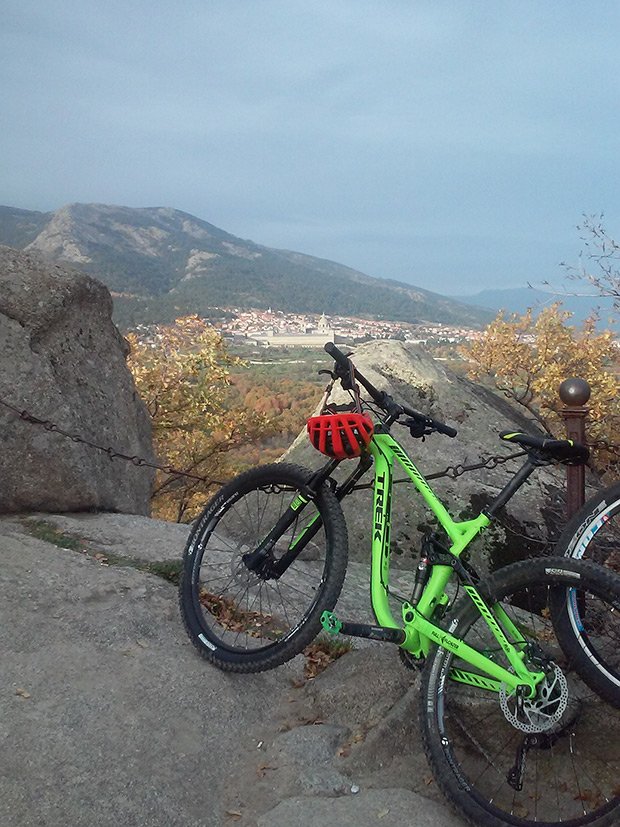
417	429
344	374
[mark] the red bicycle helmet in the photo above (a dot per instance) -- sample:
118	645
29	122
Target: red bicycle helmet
340	435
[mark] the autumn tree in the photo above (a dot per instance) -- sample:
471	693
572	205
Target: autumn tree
527	358
182	372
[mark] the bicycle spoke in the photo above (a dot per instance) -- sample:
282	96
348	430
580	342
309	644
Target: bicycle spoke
536	760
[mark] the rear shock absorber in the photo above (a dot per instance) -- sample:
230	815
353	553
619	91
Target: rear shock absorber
421	577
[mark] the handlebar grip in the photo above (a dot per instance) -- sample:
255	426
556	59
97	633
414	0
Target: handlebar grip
336	354
445	429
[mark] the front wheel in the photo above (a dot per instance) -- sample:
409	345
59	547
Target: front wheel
247	621
504	759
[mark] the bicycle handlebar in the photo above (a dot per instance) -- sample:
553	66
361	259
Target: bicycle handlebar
383	399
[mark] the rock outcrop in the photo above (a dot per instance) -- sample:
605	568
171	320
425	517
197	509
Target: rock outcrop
415	378
64	361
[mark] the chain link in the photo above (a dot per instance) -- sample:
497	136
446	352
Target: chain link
603	444
112	454
452	471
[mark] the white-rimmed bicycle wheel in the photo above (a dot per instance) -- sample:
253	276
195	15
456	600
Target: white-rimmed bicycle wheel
245	621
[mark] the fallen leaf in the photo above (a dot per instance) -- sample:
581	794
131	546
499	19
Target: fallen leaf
383	813
142	644
234	813
22	693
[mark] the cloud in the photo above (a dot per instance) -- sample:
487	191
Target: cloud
381	134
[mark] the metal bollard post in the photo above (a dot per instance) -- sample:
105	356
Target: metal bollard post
575	394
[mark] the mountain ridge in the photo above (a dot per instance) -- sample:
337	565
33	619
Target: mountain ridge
167	262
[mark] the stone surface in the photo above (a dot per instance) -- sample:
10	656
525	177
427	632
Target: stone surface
64	361
109	716
413	377
341	696
307	754
129	536
396	807
397	733
107	713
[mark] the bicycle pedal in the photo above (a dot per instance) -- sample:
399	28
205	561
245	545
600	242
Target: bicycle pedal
330	623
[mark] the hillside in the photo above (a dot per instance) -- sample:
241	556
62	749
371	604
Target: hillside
165	262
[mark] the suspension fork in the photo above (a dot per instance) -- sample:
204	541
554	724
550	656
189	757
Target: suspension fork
256	559
278	567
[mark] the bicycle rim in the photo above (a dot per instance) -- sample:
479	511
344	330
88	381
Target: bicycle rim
594	534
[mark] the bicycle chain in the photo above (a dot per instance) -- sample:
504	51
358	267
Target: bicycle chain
111	452
452	471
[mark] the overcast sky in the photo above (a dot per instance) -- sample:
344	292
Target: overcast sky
452	145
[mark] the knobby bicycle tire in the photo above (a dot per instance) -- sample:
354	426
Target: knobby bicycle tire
237	620
593	533
500	760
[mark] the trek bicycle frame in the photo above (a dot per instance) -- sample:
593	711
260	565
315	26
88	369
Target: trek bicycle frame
419	630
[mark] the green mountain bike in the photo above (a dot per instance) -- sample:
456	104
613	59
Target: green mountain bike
519	698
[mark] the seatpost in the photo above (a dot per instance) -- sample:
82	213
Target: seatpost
511	487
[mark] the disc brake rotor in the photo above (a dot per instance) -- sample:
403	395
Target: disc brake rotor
544	710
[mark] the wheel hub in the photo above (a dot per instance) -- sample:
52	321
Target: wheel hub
544	710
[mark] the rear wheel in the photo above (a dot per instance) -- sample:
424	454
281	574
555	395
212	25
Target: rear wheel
244	621
505	759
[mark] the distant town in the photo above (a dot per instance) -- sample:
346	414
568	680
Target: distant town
273	328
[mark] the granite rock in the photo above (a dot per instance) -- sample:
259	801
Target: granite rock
64	361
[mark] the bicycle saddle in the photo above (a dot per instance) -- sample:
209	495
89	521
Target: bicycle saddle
560	450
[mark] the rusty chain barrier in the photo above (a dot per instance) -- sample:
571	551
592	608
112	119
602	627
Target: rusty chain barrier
452	471
574	393
111	452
